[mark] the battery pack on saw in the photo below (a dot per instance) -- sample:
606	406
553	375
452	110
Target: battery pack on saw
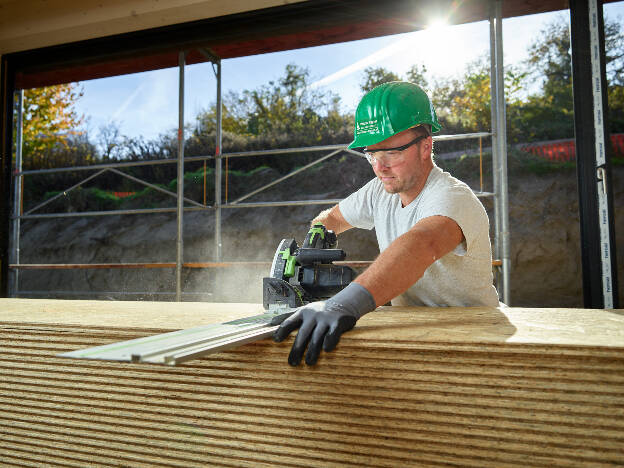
300	275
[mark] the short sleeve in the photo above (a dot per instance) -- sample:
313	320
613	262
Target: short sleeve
357	208
461	205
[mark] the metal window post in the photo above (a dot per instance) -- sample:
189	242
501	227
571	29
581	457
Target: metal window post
217	201
17	193
499	148
180	207
598	251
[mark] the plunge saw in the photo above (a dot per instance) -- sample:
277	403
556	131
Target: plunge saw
298	275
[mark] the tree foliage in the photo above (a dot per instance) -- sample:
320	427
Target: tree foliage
417	74
549	113
614	51
51	124
290	112
538	92
288	106
287	112
375	76
463	103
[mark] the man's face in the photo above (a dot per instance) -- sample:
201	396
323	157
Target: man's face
410	172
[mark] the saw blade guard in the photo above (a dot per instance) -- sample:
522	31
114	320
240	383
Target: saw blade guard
284	260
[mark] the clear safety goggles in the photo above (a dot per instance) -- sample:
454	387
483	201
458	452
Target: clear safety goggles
389	157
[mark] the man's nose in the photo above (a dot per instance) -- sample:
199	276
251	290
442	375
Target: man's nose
381	164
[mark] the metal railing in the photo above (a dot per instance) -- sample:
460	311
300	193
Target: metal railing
100	169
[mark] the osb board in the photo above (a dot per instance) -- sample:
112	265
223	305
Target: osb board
408	387
572	327
361	406
131	314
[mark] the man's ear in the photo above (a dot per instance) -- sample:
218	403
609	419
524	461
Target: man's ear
426	147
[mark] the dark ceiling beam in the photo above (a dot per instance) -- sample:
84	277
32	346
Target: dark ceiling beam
287	27
269	30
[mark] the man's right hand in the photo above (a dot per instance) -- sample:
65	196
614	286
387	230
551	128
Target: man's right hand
333	220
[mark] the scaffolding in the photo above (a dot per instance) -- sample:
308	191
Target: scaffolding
501	263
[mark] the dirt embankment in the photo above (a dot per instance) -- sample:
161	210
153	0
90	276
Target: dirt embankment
544	231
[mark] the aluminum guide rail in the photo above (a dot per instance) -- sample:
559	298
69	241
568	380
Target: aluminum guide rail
176	347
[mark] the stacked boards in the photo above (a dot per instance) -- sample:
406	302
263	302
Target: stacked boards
480	387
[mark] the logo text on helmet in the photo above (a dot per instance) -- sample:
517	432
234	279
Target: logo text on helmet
367	126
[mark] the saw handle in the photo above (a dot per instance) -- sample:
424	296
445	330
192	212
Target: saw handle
307	256
319	237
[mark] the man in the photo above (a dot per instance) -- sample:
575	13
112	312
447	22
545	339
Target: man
433	232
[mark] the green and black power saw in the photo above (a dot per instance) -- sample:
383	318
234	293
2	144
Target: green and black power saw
300	275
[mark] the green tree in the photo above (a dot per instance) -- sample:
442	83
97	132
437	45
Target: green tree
50	122
416	74
374	76
549	114
112	143
614	51
287	107
287	112
463	104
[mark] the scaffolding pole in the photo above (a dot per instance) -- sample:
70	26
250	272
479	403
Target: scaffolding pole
499	149
502	154
493	122
180	206
217	201
17	194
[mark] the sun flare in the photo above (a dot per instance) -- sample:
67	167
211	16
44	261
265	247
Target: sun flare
436	25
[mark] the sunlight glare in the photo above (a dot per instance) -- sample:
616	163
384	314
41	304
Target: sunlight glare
436	25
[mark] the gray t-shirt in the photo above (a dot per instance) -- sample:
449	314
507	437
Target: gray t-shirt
463	277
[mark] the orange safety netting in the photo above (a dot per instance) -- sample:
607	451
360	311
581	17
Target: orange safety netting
565	150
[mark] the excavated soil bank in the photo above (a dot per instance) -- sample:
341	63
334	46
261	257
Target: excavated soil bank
544	233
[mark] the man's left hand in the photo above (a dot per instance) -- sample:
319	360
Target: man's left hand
321	324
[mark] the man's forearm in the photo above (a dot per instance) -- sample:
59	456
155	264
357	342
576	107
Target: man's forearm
405	260
396	268
333	220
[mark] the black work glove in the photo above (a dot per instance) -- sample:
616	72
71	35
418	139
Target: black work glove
322	323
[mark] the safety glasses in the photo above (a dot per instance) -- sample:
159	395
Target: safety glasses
389	157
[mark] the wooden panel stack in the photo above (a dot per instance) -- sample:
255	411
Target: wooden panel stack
408	387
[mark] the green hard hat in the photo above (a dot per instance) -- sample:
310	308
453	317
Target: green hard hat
389	109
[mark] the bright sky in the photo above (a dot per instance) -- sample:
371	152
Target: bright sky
146	104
